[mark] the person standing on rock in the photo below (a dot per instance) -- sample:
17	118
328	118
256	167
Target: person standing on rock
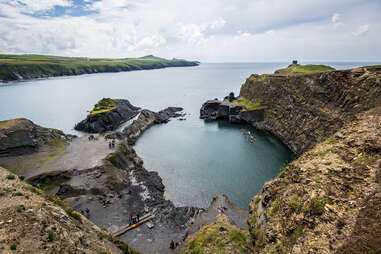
109	144
113	143
172	245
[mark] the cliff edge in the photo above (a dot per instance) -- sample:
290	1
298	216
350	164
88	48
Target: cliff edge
305	109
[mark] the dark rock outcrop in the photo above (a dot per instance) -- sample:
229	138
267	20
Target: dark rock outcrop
227	110
148	118
107	115
21	136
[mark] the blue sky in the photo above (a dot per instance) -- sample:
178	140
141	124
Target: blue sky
212	30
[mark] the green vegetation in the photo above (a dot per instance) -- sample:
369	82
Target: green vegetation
329	150
275	207
69	211
104	105
365	160
247	104
36	161
317	205
295	205
309	68
50	180
8	123
216	238
13	246
51	236
41	65
11	177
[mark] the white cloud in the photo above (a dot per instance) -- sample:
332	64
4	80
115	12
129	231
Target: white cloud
335	17
361	30
221	30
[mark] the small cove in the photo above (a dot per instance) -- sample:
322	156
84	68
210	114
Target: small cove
196	159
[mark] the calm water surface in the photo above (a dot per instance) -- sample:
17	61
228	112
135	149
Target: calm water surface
196	160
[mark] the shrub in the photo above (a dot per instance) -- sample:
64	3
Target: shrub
275	207
13	246
10	177
20	208
50	236
22	178
74	214
295	205
317	205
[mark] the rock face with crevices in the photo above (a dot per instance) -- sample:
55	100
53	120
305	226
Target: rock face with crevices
328	200
107	115
21	136
304	109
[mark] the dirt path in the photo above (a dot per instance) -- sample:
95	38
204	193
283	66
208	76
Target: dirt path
80	154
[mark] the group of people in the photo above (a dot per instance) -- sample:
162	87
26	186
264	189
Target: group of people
87	210
249	136
134	218
92	137
111	144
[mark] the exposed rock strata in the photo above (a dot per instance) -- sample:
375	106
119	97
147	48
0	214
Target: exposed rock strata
303	110
327	201
21	136
108	120
14	72
146	119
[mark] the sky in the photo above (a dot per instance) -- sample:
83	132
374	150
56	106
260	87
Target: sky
205	30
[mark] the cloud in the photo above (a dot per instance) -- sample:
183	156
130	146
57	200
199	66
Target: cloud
335	17
361	30
222	30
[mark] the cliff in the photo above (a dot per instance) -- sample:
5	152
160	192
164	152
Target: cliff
304	109
33	222
328	200
21	67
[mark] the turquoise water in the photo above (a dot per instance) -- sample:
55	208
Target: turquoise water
196	160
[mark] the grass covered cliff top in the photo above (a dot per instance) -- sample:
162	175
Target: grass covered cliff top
247	104
9	123
221	236
304	69
104	105
16	67
78	61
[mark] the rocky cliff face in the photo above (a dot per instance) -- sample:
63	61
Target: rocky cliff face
146	119
21	136
304	109
328	200
32	222
107	115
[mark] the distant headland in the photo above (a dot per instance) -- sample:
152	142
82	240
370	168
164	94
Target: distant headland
22	67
